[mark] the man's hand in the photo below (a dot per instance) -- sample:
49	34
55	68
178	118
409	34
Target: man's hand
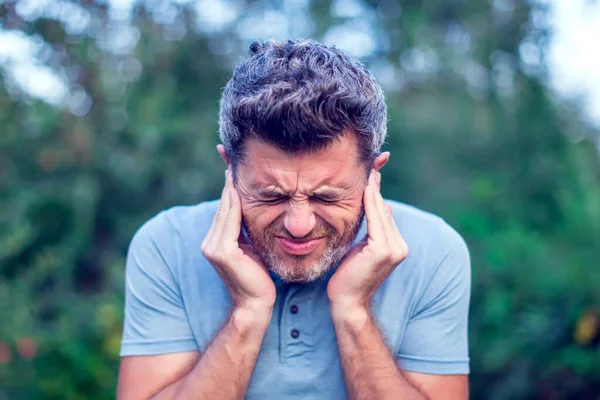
370	371
371	260
224	369
225	247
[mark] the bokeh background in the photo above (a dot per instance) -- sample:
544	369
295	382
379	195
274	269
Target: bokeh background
108	115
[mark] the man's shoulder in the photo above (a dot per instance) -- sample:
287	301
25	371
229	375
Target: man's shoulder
195	217
177	225
409	213
436	272
429	237
419	224
183	218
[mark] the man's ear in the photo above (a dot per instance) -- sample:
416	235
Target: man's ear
381	160
224	155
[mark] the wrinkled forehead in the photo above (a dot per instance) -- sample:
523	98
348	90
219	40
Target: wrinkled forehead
337	165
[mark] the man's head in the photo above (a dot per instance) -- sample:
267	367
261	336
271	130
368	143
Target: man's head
302	125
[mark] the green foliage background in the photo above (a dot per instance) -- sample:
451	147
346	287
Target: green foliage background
475	136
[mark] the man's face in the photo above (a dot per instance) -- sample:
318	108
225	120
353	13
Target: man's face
301	212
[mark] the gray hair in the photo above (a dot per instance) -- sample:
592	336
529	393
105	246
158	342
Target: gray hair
300	96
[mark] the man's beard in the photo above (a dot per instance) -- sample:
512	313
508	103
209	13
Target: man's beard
336	246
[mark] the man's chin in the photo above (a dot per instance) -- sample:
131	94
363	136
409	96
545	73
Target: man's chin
299	269
291	276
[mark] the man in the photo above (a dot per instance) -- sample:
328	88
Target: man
298	283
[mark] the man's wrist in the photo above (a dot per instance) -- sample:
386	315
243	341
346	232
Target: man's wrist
350	315
246	318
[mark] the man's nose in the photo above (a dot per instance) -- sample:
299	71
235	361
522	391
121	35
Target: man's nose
299	220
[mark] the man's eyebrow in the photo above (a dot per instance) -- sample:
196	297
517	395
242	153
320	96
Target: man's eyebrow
266	192
329	191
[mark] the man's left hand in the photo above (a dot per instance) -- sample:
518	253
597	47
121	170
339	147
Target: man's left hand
369	262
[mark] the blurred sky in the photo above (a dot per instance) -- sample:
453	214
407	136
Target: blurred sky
573	61
574	54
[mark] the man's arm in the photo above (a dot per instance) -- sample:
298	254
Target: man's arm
140	377
371	371
156	321
222	372
440	386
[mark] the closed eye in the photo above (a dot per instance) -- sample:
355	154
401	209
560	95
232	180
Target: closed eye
324	200
274	200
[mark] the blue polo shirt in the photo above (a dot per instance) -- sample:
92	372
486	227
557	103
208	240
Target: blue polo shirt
175	302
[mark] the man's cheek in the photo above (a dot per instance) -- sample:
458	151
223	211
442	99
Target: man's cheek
335	216
259	216
251	209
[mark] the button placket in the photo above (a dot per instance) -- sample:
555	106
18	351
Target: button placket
294	333
297	329
288	323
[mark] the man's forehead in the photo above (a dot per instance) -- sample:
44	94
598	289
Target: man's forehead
277	180
342	148
335	168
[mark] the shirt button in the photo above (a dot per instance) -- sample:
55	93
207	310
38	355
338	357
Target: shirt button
295	333
294	309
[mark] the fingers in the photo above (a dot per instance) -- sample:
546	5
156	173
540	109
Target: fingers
384	209
226	223
389	208
379	203
375	227
233	223
221	211
380	221
395	240
229	179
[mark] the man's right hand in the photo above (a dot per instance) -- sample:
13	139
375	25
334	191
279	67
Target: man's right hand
223	371
225	247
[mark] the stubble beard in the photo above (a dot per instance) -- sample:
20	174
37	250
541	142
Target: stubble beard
295	270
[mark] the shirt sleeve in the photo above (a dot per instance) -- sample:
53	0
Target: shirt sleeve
436	337
155	317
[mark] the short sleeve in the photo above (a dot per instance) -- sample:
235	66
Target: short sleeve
436	338
155	317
